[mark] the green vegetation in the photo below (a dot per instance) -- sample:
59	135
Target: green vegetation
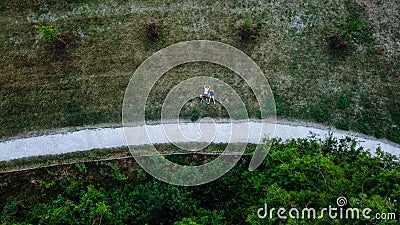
84	84
247	30
96	155
344	102
343	124
297	174
195	115
48	33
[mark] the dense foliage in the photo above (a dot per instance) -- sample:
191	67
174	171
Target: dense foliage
298	174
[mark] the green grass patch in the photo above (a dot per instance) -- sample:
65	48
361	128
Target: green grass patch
43	88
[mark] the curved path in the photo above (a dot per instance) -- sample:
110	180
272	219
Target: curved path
102	138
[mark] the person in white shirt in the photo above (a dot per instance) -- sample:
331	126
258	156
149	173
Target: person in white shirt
206	89
206	93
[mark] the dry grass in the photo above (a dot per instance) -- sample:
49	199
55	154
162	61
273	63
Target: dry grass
41	88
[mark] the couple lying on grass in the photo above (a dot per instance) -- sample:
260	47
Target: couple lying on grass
207	95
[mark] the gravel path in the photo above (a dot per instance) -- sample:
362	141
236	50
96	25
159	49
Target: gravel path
102	138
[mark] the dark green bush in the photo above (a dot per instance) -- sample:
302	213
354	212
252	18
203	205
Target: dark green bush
9	212
295	174
320	115
366	128
394	133
247	30
380	133
195	115
344	102
343	124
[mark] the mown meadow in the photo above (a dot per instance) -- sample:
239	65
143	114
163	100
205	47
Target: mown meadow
328	62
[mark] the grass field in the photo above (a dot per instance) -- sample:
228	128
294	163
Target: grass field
355	89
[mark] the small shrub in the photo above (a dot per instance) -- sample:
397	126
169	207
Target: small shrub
117	175
343	124
9	211
355	26
81	167
344	102
47	33
366	128
394	134
337	42
278	104
152	31
52	36
379	133
320	115
247	30
247	25
195	115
